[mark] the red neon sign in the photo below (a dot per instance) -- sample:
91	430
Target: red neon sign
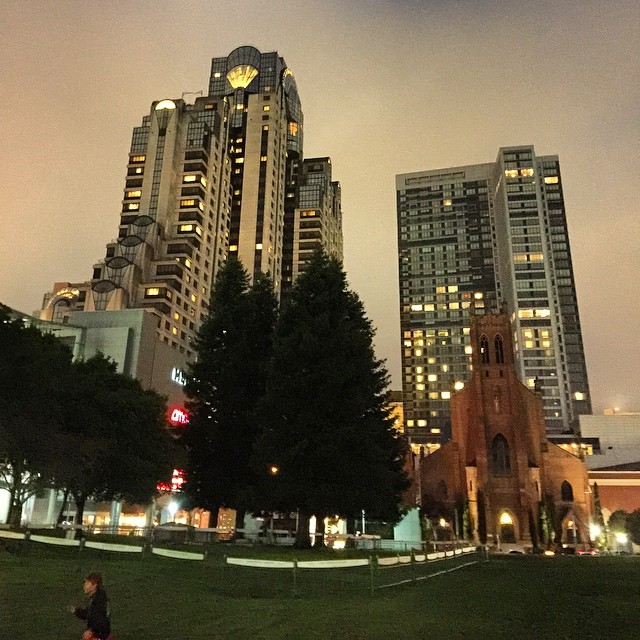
177	480
178	417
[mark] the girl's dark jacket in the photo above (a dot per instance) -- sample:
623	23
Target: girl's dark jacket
96	613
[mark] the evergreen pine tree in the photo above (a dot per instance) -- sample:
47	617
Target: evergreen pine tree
226	382
328	446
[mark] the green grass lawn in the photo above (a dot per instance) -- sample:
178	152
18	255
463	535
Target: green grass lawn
163	599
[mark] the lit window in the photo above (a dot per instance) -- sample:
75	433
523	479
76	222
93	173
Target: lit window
133	206
432	377
190	178
519	257
542	313
445	368
187	263
536	257
266	108
477	295
525	313
133	194
526	172
418	352
187	203
239	160
429	307
468	350
511	173
454	305
459	385
136	159
239	106
194	298
419	387
176	316
551	180
445	395
259	245
579	395
435	430
419	369
452	288
263	158
416	307
174	331
233	247
422	423
466	331
441	289
152	291
217	74
138	170
528	344
407	343
434	395
447	202
265	127
409	423
185	228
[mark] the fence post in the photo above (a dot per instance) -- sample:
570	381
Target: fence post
371	569
413	565
295	577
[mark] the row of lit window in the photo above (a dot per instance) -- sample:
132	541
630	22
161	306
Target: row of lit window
513	173
528	257
534	313
194	178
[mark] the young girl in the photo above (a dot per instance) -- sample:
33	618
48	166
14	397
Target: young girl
96	613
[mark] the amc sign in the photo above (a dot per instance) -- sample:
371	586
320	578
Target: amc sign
178	417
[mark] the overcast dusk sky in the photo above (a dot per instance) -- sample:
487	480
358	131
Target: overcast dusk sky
386	87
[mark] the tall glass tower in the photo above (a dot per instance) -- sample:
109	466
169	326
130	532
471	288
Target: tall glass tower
476	237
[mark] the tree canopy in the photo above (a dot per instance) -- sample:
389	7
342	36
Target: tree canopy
115	444
80	426
34	369
328	445
226	383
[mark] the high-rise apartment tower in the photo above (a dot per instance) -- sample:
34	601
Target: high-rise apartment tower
482	236
221	176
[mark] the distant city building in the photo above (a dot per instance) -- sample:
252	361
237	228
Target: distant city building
487	236
619	439
222	176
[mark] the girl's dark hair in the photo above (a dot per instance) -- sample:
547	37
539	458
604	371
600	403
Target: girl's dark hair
95	578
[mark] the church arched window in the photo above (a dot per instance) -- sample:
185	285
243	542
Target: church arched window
566	492
499	349
484	349
500	459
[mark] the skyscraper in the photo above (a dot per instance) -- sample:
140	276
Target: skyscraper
481	236
205	180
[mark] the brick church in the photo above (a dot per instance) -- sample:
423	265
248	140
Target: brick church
499	478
